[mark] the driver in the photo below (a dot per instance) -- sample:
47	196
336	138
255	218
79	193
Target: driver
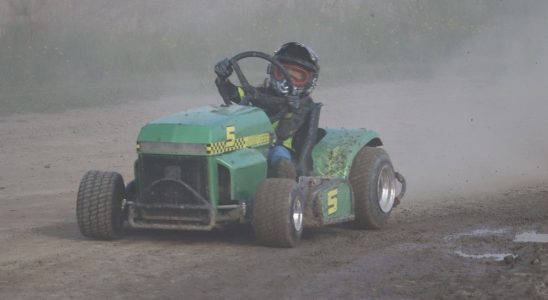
301	62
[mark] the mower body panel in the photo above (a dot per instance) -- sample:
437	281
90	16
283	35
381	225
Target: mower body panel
210	159
330	200
334	154
246	170
207	130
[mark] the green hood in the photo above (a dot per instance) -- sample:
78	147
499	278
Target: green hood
206	125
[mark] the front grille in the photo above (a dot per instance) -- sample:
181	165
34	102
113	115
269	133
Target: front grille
165	180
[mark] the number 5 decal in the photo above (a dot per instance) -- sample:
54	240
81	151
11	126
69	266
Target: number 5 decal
332	202
230	136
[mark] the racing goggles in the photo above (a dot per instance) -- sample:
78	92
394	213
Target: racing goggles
299	75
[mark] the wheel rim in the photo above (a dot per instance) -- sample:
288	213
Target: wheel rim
386	189
297	214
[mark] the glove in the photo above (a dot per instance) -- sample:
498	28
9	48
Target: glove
294	102
223	69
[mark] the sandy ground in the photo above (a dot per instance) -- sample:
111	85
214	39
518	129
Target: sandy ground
473	151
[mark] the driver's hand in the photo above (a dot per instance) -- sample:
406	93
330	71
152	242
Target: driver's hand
223	69
294	102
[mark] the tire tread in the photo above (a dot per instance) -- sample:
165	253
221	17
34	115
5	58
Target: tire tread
368	213
98	203
271	213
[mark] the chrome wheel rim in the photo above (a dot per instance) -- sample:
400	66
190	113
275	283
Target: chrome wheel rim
386	189
297	214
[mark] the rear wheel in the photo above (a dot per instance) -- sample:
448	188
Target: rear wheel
284	168
278	213
99	204
373	181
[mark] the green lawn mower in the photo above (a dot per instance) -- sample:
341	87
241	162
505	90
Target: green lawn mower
207	167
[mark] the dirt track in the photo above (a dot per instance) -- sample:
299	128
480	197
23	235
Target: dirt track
454	209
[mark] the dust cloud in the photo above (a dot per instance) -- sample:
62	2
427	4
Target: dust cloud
477	126
455	89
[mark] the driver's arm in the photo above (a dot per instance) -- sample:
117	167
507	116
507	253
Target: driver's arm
229	90
291	121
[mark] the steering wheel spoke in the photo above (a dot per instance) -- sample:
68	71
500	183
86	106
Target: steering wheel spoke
252	93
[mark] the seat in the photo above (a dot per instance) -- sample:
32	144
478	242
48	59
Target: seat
307	138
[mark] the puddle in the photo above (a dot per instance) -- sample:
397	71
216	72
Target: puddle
480	232
487	240
496	256
488	231
531	237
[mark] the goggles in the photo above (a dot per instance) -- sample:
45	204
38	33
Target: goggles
299	75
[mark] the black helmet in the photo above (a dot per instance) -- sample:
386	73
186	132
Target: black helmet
302	64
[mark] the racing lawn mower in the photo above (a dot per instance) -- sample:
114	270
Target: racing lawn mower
206	168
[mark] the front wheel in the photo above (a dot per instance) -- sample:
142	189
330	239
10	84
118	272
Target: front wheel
278	213
99	205
374	183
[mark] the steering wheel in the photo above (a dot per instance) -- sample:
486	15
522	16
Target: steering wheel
252	92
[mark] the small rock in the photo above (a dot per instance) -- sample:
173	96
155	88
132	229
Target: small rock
2	187
47	166
464	294
509	260
535	261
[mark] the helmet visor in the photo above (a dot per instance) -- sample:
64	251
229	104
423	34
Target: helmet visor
299	75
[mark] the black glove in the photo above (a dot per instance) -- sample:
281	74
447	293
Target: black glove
294	102
223	69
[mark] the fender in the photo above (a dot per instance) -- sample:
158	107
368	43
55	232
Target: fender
334	154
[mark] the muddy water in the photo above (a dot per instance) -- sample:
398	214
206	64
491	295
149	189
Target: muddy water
531	237
495	256
497	244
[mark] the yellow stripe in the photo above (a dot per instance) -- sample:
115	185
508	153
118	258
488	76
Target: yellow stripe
239	143
241	92
288	143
